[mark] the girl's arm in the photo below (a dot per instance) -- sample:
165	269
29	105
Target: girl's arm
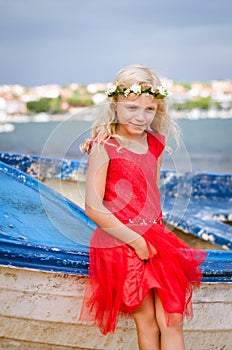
95	209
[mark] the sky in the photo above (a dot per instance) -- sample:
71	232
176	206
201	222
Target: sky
83	41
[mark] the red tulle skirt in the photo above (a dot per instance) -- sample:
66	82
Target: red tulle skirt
118	280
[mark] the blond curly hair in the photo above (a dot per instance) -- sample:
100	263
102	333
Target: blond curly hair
104	126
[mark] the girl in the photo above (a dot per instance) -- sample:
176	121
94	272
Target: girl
137	265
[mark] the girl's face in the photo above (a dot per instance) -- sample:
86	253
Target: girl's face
135	114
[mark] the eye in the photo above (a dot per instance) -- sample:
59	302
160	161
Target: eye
132	108
150	109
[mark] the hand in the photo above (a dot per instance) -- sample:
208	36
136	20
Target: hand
152	250
140	247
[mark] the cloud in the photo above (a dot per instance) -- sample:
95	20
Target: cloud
64	41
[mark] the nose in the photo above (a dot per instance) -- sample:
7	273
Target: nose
141	116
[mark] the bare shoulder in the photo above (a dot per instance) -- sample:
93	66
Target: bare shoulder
97	174
98	154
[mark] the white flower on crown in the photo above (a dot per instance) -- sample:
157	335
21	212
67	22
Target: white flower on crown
136	89
113	90
127	92
110	89
161	90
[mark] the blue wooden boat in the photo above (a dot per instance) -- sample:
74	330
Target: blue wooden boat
44	256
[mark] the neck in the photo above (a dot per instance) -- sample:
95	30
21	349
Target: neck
131	137
136	143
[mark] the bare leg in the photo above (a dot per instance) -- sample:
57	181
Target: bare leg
147	328
171	337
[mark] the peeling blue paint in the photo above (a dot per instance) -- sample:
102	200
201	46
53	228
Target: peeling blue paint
38	227
41	229
41	168
203	200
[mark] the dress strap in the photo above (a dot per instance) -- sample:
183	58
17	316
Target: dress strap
156	143
112	148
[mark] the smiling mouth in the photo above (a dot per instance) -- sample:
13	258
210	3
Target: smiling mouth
138	125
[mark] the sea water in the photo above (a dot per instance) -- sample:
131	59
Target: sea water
205	144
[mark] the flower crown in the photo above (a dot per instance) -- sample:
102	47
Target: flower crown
113	90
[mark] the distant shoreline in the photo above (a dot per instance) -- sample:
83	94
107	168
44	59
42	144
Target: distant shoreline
86	114
205	144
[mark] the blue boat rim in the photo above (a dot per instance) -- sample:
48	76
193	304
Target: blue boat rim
65	257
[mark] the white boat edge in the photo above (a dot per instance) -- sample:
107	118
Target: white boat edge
40	310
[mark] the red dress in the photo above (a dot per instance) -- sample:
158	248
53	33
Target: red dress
118	280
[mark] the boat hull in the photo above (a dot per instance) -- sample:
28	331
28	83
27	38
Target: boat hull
40	310
44	258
